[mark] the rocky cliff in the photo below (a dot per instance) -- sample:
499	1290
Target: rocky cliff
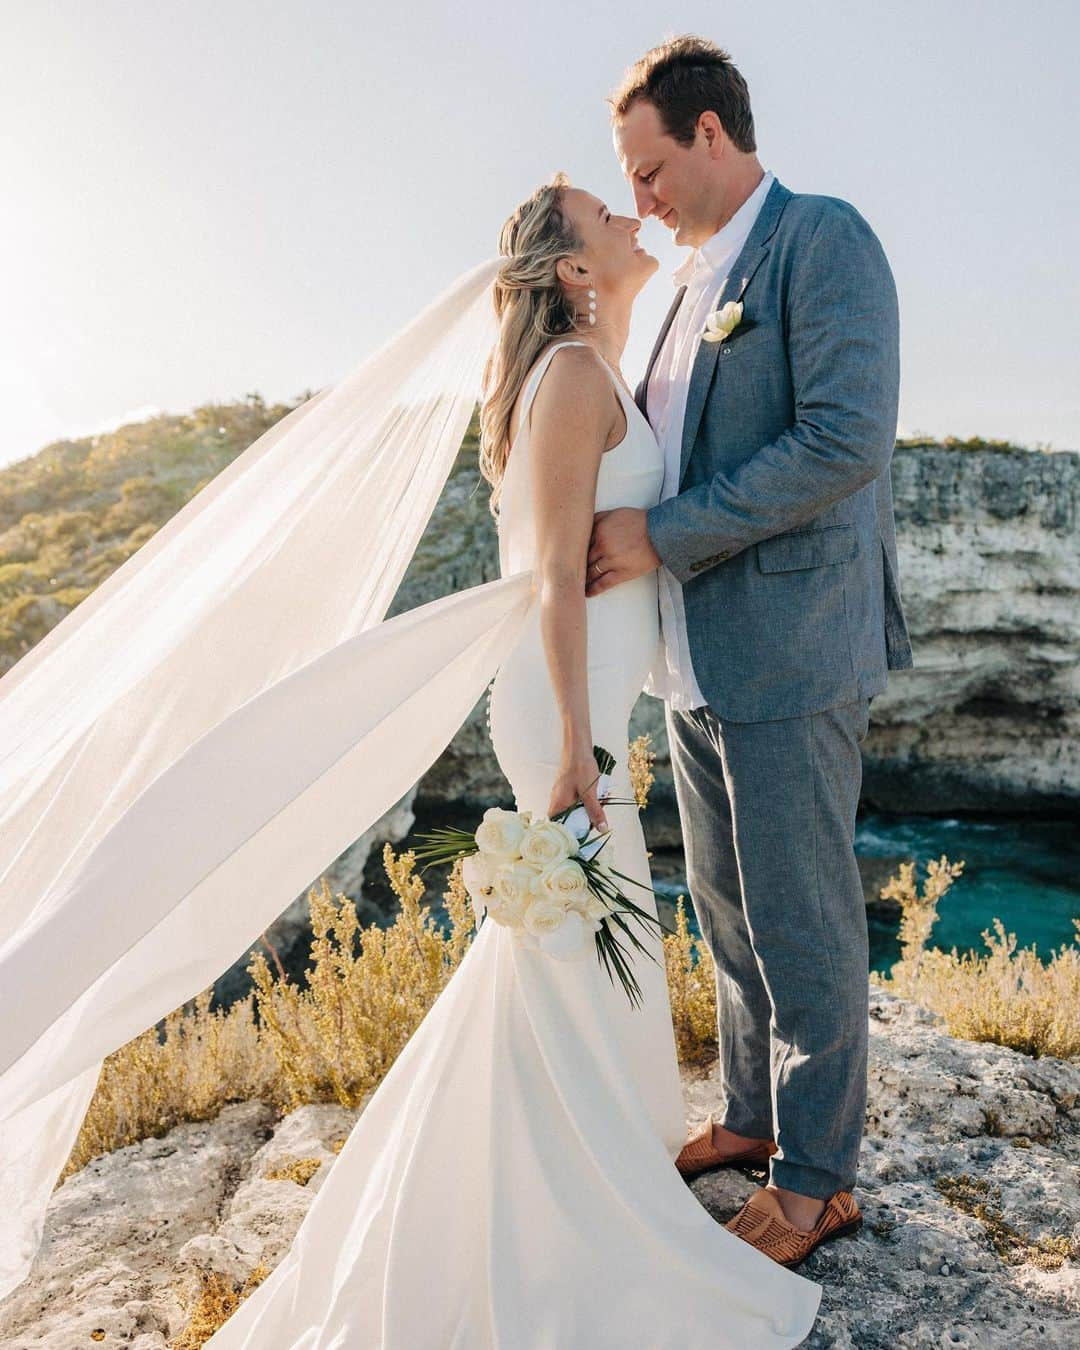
967	1183
990	569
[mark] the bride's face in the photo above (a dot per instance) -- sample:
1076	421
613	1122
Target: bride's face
616	264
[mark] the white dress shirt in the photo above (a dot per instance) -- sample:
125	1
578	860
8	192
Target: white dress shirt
703	273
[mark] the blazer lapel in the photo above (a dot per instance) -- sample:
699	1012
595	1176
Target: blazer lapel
749	259
642	389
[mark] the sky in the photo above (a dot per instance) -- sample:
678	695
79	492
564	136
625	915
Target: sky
206	200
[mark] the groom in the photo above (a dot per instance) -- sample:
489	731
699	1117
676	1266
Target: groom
780	613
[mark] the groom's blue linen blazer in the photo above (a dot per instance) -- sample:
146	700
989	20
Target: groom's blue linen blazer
782	531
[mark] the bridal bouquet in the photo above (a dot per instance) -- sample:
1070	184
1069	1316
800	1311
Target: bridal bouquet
547	879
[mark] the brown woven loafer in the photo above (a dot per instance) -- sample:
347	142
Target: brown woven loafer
699	1155
763	1224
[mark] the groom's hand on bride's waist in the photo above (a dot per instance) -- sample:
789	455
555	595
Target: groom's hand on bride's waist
619	549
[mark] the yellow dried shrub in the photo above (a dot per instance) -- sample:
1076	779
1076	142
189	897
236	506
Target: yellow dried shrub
283	1045
1007	996
299	1170
691	978
639	762
368	989
201	1061
214	1303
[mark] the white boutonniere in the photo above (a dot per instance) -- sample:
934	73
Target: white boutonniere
721	323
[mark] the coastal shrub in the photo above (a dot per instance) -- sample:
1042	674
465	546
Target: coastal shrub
969	443
215	1300
298	1170
640	761
14	576
369	988
199	1062
77	510
287	1046
691	977
1007	996
977	1197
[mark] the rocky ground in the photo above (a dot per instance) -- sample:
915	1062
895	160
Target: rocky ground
968	1187
951	1126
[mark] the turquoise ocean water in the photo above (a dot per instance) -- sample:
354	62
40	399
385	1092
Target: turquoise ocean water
1025	872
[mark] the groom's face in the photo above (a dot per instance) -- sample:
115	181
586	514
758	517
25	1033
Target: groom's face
669	181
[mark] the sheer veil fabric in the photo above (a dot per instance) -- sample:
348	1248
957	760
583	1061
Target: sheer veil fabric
207	732
193	744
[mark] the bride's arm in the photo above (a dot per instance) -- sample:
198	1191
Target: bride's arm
573	415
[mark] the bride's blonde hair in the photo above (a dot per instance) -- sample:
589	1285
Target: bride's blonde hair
532	308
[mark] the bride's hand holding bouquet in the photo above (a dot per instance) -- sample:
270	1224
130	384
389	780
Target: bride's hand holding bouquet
547	879
580	782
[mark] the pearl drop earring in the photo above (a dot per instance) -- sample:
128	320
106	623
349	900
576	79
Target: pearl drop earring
592	306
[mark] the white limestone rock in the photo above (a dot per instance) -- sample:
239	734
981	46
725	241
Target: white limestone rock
114	1232
922	1272
126	1237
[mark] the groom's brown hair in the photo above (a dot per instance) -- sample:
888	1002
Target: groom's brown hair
682	78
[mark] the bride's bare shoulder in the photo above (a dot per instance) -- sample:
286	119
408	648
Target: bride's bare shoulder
575	376
573	361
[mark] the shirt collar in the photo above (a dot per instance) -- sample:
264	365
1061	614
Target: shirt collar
718	251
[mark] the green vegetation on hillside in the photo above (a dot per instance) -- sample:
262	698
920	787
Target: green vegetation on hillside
967	443
74	512
71	514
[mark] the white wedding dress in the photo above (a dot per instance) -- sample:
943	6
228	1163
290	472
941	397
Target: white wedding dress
511	1185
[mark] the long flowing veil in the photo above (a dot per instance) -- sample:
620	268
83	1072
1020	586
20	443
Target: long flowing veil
209	729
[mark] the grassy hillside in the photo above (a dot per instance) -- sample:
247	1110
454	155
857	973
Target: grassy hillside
71	514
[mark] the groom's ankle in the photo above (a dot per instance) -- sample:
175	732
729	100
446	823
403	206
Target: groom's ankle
725	1136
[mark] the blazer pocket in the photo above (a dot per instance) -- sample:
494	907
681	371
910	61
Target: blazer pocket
746	337
807	548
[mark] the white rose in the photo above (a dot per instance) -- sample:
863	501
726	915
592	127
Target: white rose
723	322
570	941
563	881
514	886
499	833
546	841
596	907
544	916
478	875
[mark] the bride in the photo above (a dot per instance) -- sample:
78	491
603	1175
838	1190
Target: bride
189	753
